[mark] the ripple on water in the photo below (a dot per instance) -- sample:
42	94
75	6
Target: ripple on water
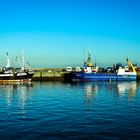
101	110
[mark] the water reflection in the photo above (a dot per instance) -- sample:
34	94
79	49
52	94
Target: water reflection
20	90
119	88
19	93
90	91
126	87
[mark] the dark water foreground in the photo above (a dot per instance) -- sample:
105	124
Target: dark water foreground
108	111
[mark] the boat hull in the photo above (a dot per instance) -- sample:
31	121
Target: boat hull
81	76
20	77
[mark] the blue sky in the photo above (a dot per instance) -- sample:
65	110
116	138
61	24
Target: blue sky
53	33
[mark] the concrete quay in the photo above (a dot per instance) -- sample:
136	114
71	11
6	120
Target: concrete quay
48	74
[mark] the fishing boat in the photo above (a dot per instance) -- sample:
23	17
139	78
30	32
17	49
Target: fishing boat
11	74
91	72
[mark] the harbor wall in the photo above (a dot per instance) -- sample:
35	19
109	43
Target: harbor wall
48	74
138	75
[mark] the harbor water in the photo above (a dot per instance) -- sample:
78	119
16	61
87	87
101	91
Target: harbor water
56	110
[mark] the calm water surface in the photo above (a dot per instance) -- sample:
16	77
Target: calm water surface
106	110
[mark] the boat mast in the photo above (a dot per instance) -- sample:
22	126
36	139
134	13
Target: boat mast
8	61
83	56
89	61
22	59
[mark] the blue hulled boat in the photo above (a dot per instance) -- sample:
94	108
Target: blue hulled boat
92	73
83	77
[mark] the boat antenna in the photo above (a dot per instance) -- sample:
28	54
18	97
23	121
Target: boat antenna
95	61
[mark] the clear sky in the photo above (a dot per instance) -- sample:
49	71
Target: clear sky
53	33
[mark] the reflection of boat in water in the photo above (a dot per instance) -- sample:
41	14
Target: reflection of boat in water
91	90
124	87
92	73
22	91
11	74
